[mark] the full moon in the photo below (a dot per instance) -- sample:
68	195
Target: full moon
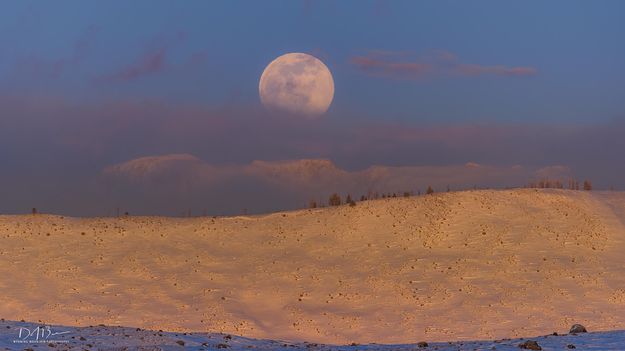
297	83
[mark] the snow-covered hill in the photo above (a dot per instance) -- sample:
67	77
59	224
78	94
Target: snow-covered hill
447	267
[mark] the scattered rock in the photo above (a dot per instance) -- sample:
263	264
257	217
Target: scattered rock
222	346
577	328
530	345
180	342
570	346
422	344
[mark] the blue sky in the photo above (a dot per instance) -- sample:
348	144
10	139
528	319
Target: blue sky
87	84
575	46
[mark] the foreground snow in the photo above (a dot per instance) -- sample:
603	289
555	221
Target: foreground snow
123	338
472	265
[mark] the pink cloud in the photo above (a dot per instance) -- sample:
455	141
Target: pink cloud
380	67
154	60
150	62
477	70
42	67
399	65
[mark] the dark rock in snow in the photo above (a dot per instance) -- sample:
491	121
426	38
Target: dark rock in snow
577	328
530	345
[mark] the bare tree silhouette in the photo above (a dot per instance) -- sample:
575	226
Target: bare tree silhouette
335	200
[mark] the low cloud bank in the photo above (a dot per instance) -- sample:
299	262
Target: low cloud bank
54	152
179	183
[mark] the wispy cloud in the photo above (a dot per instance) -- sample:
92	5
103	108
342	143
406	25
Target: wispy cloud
378	66
403	65
477	70
46	68
150	62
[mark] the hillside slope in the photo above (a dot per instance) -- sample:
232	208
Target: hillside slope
453	266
